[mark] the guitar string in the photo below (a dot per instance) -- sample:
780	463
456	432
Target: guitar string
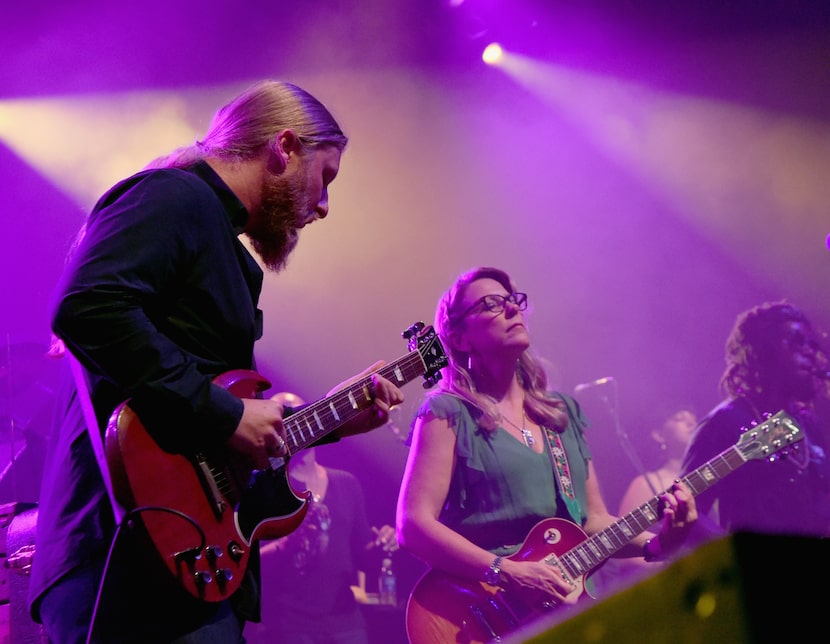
612	538
322	408
596	548
405	363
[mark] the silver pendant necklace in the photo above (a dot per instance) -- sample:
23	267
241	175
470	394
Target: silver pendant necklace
527	437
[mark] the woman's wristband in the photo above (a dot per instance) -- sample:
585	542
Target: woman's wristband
648	551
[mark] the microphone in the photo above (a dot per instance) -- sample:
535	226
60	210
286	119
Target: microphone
593	383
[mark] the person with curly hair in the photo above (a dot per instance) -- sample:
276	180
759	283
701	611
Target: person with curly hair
775	362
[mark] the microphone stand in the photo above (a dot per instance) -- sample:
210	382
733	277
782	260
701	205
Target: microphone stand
625	441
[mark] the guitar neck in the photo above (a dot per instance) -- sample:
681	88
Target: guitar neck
596	549
310	424
698	481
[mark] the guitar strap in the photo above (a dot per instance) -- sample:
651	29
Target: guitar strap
560	464
563	472
94	431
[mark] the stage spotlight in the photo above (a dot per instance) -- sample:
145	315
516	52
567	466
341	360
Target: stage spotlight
492	53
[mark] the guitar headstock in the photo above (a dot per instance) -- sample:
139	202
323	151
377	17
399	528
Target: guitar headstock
425	340
768	438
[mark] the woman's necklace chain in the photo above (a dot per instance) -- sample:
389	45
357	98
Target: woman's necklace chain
526	435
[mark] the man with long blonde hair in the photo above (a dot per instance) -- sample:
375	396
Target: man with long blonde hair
159	298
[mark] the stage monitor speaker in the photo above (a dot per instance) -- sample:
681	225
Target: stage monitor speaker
746	588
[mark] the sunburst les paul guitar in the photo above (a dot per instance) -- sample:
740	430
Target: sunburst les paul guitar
444	608
204	513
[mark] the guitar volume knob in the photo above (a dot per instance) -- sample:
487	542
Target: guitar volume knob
203	578
214	552
224	574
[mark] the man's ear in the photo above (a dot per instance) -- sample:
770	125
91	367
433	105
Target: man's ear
285	145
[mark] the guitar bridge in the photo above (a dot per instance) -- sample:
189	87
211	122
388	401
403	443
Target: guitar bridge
217	500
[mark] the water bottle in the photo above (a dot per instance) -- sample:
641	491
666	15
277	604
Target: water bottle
387	584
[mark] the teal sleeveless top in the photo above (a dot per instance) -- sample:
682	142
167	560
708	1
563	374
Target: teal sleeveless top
501	488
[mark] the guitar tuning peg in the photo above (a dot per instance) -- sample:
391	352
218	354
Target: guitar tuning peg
412	330
430	382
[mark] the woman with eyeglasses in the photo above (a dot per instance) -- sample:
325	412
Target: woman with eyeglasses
494	452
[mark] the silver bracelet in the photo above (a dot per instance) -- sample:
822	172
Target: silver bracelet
491	576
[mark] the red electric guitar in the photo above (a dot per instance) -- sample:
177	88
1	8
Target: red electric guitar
204	513
443	608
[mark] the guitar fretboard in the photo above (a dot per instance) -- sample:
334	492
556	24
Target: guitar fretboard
760	442
319	419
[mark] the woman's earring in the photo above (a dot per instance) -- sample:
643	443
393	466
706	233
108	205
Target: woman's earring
469	362
660	440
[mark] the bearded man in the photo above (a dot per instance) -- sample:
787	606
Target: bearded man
159	297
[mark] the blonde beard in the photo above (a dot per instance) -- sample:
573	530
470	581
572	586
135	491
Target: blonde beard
283	204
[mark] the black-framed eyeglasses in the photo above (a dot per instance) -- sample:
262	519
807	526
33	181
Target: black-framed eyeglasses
497	303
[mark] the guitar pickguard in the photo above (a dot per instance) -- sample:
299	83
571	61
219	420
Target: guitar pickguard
268	507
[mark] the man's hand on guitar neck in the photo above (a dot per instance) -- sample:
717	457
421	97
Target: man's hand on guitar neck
260	434
385	395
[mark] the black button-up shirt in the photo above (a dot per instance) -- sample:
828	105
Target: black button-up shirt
159	297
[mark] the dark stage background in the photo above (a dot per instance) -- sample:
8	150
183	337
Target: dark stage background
644	169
